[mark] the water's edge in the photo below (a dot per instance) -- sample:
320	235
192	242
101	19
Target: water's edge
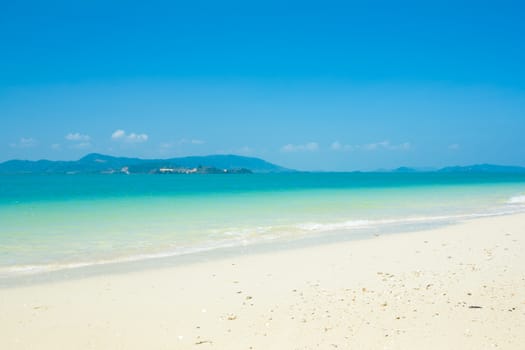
217	254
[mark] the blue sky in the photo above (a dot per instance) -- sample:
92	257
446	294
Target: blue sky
310	85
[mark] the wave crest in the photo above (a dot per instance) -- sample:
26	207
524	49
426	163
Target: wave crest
517	200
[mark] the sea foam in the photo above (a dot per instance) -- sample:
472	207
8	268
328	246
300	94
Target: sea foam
517	200
241	237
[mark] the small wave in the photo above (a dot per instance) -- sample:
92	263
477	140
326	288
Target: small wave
244	231
42	268
245	236
517	200
314	226
357	224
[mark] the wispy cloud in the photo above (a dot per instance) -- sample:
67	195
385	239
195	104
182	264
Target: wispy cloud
454	147
191	141
338	146
375	146
118	134
24	142
77	137
78	140
387	146
122	136
307	147
82	145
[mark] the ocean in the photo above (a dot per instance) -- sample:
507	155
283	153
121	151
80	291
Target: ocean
62	222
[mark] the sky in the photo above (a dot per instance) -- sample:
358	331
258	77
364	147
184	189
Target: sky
310	85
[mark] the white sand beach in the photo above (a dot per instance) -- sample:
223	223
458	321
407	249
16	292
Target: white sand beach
455	287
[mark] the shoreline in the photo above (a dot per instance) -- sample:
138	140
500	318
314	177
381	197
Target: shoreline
456	286
371	230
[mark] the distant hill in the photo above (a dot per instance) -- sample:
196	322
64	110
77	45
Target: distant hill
477	168
484	168
405	169
100	163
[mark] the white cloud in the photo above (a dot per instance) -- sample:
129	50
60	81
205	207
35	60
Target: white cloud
386	145
77	137
307	147
24	142
120	135
56	146
453	147
137	137
338	146
375	146
382	145
81	140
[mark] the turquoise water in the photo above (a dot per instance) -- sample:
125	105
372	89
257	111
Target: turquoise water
65	221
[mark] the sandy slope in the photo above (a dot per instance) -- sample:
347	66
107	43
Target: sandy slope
459	287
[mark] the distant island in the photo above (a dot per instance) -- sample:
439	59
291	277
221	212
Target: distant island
477	168
96	163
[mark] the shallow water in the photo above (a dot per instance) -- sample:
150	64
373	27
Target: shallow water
53	222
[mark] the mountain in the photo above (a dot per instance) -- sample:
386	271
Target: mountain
100	163
404	169
484	168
